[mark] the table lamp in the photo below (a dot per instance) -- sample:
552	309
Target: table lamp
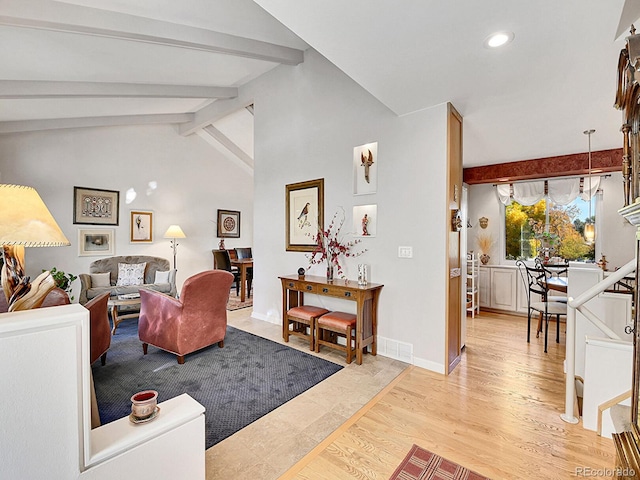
26	222
174	232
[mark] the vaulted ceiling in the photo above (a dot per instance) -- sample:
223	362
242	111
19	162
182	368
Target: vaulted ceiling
112	62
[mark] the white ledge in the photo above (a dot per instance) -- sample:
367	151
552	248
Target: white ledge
121	435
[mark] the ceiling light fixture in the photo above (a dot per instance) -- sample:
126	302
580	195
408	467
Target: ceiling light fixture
498	39
589	227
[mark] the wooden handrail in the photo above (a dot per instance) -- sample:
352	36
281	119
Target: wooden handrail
607	405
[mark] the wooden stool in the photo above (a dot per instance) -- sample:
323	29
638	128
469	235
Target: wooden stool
340	323
301	318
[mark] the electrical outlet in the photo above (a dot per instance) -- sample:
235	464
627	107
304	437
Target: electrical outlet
405	252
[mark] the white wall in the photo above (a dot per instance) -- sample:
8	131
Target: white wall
194	180
308	119
615	237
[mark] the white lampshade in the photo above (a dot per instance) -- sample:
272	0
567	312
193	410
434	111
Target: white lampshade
26	220
174	231
589	232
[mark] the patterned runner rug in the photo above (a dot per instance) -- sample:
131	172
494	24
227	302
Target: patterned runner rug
420	464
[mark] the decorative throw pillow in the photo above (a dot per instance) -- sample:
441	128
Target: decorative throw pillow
162	277
130	274
100	279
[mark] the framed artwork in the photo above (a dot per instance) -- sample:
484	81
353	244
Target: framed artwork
365	220
304	214
92	206
228	224
96	242
141	227
365	169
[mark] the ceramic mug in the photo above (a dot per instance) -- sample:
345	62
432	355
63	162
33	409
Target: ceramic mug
143	404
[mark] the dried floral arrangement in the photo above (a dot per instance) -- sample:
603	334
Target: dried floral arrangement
485	243
331	245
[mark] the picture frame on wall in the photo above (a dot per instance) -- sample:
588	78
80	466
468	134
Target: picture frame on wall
93	206
304	214
228	224
96	242
141	227
365	169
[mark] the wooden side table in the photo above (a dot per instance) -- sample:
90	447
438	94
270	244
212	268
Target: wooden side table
116	302
366	298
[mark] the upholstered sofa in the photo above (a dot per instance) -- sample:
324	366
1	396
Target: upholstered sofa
158	276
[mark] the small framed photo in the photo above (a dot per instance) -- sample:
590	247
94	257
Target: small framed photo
94	242
141	227
304	214
92	206
228	224
365	169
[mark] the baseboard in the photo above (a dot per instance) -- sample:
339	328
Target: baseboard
429	365
266	318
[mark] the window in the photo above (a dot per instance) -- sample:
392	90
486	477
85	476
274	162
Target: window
549	229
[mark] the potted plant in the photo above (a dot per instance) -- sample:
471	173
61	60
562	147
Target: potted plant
63	280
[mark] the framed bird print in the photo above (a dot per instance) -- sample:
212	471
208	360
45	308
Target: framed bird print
304	214
141	227
365	169
228	224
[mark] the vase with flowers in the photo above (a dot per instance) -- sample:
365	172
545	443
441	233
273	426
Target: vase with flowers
330	246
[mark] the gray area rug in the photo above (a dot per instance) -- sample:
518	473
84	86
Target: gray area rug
237	384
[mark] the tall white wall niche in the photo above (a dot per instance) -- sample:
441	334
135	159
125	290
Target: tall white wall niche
365	169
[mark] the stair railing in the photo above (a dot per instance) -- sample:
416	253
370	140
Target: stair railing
577	304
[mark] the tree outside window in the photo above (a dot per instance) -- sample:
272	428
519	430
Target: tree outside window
535	230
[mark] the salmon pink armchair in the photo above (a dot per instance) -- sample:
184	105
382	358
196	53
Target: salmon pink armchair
197	319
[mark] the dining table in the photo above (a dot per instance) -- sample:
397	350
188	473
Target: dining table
243	264
559	284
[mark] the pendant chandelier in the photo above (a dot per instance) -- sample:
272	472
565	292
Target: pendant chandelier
589	227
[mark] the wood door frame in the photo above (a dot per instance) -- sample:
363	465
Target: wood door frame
454	202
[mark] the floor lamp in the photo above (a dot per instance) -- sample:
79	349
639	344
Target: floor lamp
26	222
174	232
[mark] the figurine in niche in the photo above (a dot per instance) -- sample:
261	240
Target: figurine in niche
302	218
365	223
366	162
484	222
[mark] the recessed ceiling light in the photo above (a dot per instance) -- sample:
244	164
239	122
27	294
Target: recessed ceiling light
498	39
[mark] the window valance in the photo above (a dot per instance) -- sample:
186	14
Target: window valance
561	191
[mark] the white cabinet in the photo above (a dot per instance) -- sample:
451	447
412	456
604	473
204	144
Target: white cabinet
500	288
485	287
503	288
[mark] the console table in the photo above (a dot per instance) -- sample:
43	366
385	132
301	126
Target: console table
366	298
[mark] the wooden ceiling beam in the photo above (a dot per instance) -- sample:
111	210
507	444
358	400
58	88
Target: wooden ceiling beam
560	166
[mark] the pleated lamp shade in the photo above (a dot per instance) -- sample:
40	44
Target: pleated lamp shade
174	231
26	220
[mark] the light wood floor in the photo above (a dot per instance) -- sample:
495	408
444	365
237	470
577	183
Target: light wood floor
497	414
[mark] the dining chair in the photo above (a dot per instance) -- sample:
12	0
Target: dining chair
222	261
245	252
534	280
